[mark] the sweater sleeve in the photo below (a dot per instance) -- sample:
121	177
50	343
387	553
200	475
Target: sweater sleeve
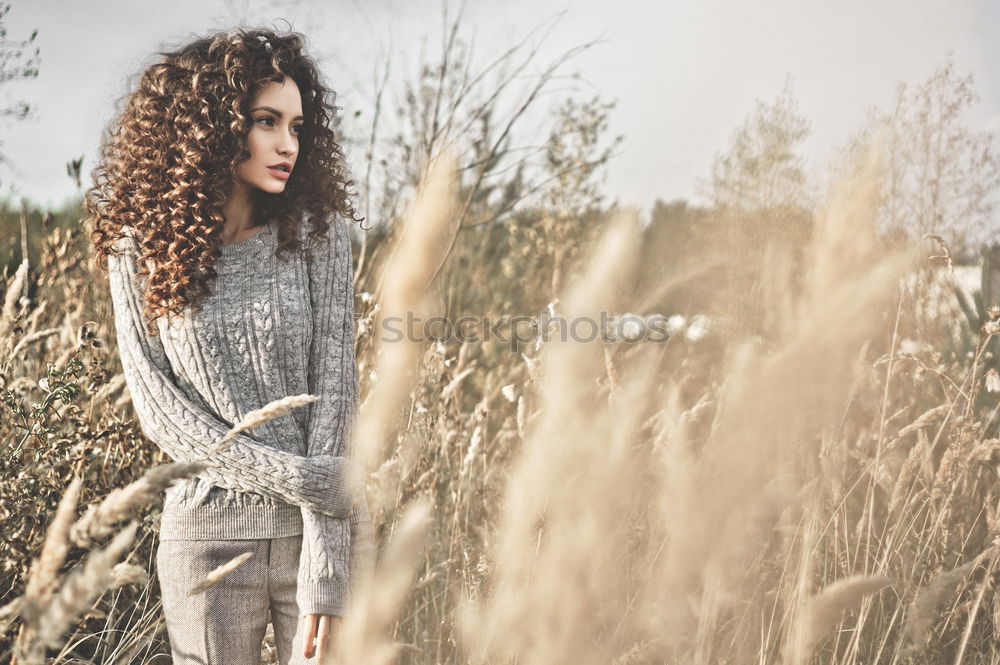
325	563
363	546
187	430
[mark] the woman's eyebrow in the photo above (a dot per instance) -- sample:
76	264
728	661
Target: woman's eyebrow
274	111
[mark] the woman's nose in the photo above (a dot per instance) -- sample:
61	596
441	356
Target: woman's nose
286	146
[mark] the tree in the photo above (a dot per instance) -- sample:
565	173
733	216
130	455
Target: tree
485	115
762	208
574	155
941	176
761	169
15	64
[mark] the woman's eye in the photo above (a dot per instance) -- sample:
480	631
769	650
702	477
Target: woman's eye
298	128
265	118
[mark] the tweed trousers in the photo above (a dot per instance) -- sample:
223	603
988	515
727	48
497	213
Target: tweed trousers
226	623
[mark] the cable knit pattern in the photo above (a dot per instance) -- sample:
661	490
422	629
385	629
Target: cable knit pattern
324	573
270	328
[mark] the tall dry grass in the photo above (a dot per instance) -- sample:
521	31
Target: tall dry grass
814	495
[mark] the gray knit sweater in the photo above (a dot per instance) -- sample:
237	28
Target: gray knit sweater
270	328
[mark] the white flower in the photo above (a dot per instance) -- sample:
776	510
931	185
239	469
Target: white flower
676	323
508	392
632	326
698	328
992	381
552	308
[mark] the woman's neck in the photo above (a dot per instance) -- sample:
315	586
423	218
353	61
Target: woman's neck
238	211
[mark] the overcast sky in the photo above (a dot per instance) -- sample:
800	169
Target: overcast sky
684	73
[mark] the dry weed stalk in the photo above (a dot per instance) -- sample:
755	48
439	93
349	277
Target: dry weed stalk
773	409
51	604
260	416
822	612
923	609
26	341
44	587
414	258
100	518
925	420
12	295
557	573
915	459
84	585
366	635
215	576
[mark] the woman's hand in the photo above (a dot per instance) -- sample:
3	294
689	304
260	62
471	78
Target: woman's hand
324	629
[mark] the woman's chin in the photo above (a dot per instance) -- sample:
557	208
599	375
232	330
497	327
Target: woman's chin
272	187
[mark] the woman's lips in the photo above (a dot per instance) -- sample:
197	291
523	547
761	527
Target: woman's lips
278	173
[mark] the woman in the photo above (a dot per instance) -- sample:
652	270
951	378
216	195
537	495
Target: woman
219	210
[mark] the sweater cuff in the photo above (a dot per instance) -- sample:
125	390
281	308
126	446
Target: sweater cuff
324	565
322	597
359	511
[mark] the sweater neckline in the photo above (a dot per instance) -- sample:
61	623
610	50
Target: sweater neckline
247	244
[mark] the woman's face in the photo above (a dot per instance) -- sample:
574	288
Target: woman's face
274	136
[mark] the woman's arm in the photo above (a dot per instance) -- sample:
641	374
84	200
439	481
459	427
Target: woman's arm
324	566
188	431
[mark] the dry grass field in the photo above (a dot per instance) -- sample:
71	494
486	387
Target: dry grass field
804	471
824	492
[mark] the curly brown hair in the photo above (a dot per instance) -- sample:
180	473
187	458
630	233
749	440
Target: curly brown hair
168	159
